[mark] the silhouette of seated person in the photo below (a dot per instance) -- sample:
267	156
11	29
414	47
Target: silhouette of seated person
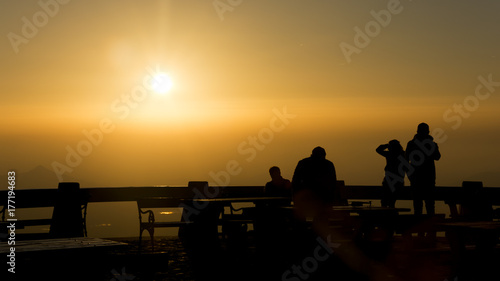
278	187
271	223
394	176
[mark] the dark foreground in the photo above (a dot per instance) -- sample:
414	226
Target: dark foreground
418	260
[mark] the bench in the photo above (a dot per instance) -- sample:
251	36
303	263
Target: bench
147	219
144	206
24	223
38	199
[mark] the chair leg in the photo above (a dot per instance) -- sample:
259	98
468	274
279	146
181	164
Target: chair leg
151	231
140	238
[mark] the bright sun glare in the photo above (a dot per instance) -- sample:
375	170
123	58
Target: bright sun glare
161	83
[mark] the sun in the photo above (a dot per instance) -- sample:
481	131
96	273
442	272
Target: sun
161	83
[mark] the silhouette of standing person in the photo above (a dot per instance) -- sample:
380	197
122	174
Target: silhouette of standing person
421	152
394	176
315	176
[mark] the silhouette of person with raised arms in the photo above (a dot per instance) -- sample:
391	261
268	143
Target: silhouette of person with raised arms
421	152
394	176
316	177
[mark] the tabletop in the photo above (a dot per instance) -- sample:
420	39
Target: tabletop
241	199
473	225
357	209
58	244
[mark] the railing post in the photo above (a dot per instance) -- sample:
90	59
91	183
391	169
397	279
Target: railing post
67	214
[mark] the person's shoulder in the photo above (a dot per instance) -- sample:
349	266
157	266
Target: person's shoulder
287	184
410	144
305	160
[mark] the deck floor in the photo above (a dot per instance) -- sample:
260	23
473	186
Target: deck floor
171	261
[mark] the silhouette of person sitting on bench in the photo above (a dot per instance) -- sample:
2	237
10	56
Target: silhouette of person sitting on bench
278	186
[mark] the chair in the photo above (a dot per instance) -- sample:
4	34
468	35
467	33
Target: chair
144	206
473	203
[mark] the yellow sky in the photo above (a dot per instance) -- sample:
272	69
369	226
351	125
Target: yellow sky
86	64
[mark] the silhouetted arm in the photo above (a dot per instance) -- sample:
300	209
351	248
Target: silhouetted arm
333	174
287	184
335	195
408	151
381	149
297	177
436	155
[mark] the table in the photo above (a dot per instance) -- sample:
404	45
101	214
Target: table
58	244
227	201
484	235
358	209
473	226
361	210
240	199
79	258
370	225
368	209
202	213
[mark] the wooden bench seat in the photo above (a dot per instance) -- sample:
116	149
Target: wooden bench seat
34	202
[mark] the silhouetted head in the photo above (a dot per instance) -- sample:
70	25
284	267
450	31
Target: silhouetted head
275	172
423	129
318	153
394	145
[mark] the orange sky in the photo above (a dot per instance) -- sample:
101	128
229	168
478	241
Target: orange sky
233	70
